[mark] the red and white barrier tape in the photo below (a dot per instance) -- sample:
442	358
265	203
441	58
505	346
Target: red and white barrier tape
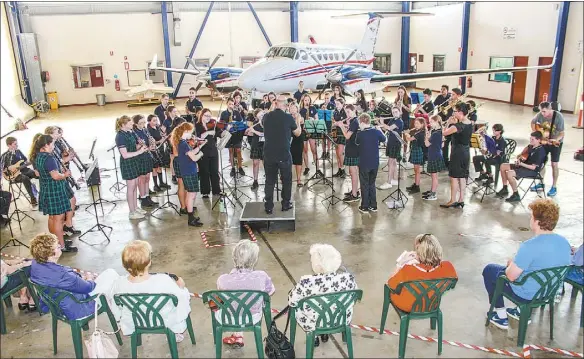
526	348
250	232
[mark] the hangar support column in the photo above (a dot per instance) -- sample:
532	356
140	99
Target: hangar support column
560	40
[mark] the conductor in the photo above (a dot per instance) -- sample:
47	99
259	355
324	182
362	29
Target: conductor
278	129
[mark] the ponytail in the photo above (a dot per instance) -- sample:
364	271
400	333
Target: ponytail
39	141
121	121
136	119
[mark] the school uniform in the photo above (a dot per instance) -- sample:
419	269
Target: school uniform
298	95
194	105
188	167
257	144
428	107
416	153
158	154
435	161
130	168
405	114
147	158
243	108
351	149
297	147
491	160
394	146
208	165
338	117
53	195
311	112
536	156
367	142
160	112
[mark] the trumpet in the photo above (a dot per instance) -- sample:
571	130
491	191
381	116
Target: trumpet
476	107
446	106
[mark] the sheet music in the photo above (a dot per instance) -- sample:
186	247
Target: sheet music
91	168
223	140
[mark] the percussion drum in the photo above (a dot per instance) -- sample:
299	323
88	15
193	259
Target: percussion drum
384	107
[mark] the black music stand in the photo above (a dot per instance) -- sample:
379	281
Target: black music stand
118	186
332	199
98	227
94	180
223	198
400	199
168	203
18	212
316	128
13	242
234	191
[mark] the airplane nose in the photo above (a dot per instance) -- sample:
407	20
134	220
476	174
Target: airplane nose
246	79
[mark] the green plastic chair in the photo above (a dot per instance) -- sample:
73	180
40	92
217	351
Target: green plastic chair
428	295
235	308
53	297
146	316
549	280
575	288
331	310
8	301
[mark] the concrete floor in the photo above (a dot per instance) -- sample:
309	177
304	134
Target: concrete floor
482	233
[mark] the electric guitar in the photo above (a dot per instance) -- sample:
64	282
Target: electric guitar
13	171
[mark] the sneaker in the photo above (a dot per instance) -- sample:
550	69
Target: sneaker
537	187
350	198
306	171
71	230
498	322
373	209
514	198
414	189
174	180
552	192
503	192
515	314
385	186
394	182
183	211
140	210
425	193
136	215
430	197
363	209
339	173
232	173
195	222
241	172
67	232
343	174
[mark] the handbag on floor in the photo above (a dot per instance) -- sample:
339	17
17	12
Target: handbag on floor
277	344
99	345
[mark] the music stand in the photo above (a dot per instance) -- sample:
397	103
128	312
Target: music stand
13	242
94	180
400	199
98	226
223	198
118	186
234	191
168	203
91	155
332	199
317	127
18	212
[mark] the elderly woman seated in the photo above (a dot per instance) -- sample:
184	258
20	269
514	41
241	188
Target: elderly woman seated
244	277
327	278
136	259
9	281
424	262
45	271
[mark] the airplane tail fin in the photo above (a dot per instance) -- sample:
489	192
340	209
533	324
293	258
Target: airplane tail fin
367	46
192	63
154	63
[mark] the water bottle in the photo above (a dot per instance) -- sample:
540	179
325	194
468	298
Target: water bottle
222	207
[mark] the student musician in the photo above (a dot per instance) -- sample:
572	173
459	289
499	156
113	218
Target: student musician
360	102
337	93
257	144
233	117
239	105
272	101
339	118
482	163
307	111
403	102
300	92
54	193
187	158
9	160
528	165
172	118
131	154
351	152
156	134
208	166
160	110
372	110
368	139
435	164
265	104
297	143
472	116
146	163
441	100
454	98
327	105
416	137
176	168
427	106
393	127
193	105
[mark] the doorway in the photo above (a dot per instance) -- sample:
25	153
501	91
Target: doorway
519	81
544	80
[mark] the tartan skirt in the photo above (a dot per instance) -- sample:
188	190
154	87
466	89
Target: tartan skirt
130	168
191	183
416	155
176	168
351	161
394	152
54	197
145	163
435	166
257	153
157	158
340	140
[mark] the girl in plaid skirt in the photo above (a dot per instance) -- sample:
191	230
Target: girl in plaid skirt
156	134
339	116
433	142
130	153
416	138
146	161
393	128
187	158
53	195
257	144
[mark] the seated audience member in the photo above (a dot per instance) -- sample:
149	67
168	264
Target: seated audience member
523	168
575	274
136	259
45	271
327	278
545	250
482	163
244	277
424	262
9	281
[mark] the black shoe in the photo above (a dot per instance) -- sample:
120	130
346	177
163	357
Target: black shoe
70	230
350	198
373	209
151	193
409	188
195	222
425	193
306	171
183	211
339	173
164	186
76	207
69	249
514	198
503	192
147	202
174	180
451	205
343	174
269	211
255	185
324	338
363	209
205	196
241	172
34	202
316	342
22	306
32	308
414	189
157	189
319	174
482	176
286	207
232	173
459	205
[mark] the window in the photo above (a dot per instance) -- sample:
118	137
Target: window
337	57
156	76
438	64
496	62
247	61
343	55
302	54
87	76
288	52
136	77
272	51
382	62
325	56
202	63
319	56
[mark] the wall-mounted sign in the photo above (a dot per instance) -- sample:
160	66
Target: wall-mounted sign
509	33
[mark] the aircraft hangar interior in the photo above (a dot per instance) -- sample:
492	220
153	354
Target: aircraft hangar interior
288	179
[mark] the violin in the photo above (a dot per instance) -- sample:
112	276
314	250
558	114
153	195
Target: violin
213	124
195	142
524	154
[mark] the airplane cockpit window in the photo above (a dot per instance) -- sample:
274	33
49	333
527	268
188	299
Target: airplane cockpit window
297	56
272	52
288	52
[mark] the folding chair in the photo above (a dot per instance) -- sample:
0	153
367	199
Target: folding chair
510	147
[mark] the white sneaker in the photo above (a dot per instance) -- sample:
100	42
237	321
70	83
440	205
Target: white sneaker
136	215
384	186
394	182
140	210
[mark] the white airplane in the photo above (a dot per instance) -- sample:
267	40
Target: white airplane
148	90
321	66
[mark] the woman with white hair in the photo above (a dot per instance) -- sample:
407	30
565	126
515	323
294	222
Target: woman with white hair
327	278
244	277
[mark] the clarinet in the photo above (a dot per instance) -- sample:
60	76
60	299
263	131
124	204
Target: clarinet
76	160
69	179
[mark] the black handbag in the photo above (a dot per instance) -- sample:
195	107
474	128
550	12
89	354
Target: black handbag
277	344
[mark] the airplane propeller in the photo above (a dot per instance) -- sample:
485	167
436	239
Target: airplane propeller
333	76
209	83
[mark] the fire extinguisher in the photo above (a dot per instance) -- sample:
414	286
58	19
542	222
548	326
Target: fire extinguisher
117	83
469	82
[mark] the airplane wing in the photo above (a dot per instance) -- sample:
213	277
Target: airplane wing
153	66
398	78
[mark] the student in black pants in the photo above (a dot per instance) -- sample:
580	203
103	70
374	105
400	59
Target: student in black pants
5	199
482	163
209	163
13	156
368	139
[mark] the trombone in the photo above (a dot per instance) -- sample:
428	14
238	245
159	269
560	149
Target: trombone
446	106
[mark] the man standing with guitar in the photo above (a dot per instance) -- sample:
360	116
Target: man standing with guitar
551	124
15	168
